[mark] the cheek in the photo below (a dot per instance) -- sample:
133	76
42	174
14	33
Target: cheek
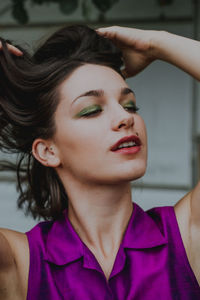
144	131
141	128
78	138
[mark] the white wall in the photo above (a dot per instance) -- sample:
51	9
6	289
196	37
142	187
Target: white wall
163	93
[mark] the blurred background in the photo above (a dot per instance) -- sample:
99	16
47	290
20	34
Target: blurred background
169	99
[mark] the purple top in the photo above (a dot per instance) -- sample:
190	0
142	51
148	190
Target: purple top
151	262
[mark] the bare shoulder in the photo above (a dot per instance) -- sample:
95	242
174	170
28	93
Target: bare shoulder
16	240
187	209
182	211
14	264
187	212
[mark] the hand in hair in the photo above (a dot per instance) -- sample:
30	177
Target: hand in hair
135	44
141	47
13	49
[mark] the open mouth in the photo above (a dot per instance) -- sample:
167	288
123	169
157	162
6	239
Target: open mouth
128	143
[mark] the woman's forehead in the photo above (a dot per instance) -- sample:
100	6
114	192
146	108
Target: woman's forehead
91	77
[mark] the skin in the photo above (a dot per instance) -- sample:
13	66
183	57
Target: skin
81	144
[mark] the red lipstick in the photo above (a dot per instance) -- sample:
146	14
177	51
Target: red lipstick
130	149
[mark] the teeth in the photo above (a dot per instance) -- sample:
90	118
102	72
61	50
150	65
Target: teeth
129	144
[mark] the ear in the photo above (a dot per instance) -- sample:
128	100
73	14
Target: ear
46	153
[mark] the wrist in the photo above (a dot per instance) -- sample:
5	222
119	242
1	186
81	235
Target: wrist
158	44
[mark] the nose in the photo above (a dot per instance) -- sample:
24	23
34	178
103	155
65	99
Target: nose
122	119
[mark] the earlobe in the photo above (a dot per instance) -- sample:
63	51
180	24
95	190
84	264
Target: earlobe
45	153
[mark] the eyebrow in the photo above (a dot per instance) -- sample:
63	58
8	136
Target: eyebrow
100	93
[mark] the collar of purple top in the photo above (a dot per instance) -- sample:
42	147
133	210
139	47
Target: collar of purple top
63	244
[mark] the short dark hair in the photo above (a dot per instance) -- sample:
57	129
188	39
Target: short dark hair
29	95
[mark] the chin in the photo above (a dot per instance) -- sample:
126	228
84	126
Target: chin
129	176
136	176
136	173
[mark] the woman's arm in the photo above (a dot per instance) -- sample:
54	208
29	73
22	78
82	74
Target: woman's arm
179	51
141	47
8	271
14	265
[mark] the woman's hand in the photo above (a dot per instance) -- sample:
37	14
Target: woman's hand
13	49
137	46
141	47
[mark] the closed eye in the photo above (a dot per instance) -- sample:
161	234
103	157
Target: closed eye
92	113
131	106
89	111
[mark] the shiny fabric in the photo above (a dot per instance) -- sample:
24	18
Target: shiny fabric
151	262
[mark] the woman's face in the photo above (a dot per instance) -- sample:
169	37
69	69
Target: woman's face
96	110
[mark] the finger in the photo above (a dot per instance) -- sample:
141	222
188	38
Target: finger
108	31
112	34
113	31
121	36
13	49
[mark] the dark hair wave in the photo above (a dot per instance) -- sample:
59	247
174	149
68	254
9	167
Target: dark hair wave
29	95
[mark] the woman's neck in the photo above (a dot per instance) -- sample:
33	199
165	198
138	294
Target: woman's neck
100	215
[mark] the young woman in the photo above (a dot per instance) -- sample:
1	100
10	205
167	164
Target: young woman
73	119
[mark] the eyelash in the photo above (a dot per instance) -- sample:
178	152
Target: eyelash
132	108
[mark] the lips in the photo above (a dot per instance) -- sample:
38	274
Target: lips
132	138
